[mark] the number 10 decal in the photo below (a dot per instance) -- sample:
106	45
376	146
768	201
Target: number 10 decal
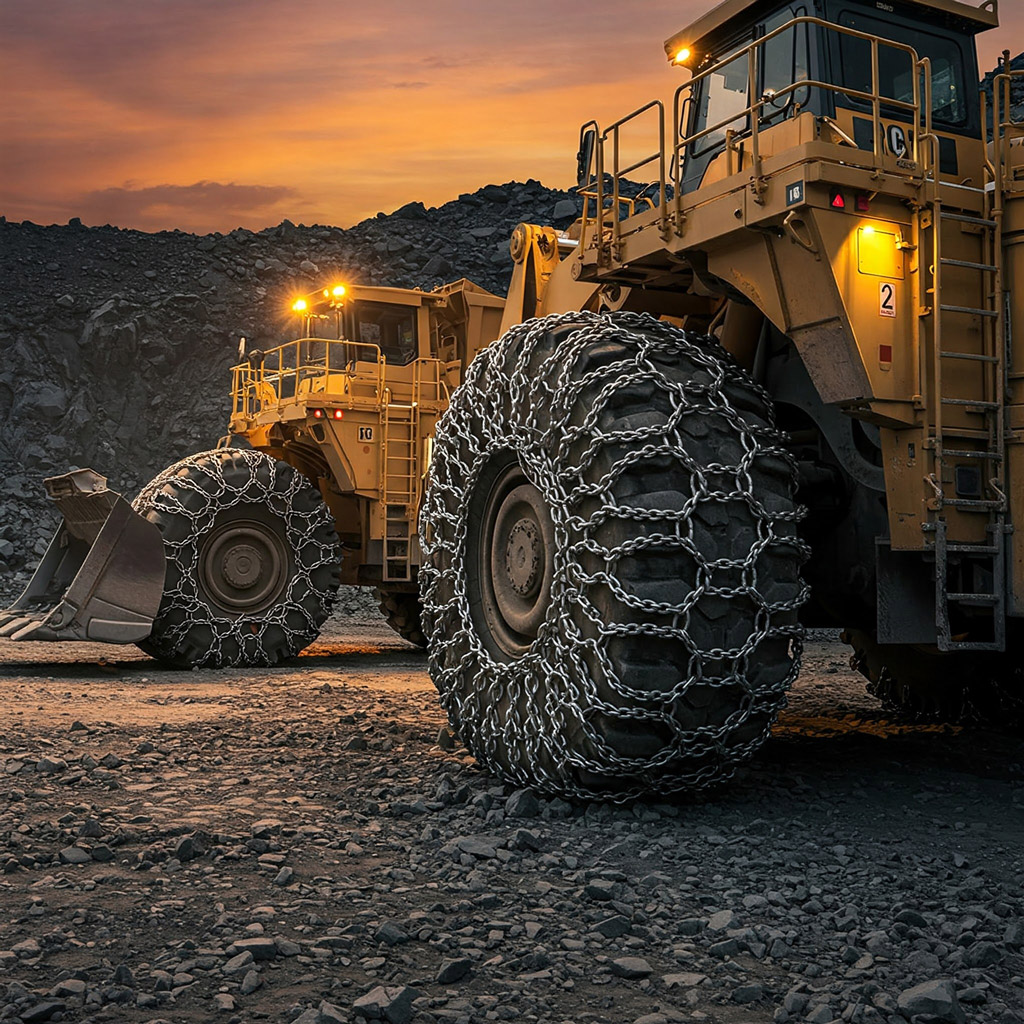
887	299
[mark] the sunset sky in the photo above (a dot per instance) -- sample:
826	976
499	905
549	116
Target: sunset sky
213	114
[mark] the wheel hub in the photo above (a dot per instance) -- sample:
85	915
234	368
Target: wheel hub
523	556
513	559
244	566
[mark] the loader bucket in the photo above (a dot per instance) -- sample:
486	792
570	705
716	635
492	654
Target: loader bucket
102	576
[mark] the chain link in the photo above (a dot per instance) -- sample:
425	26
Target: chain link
197	489
538	718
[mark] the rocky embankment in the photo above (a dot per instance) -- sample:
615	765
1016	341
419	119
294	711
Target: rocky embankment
116	344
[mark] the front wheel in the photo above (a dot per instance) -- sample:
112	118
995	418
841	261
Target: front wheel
252	560
611	583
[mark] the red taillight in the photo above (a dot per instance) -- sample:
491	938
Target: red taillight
863	203
318	414
338	414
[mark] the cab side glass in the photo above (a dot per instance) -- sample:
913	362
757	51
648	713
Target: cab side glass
723	93
896	68
585	157
783	60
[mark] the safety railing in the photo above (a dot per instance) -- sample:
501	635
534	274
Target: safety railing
293	370
1007	131
428	382
601	178
615	202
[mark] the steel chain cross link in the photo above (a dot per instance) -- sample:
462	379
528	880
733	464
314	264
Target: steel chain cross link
549	718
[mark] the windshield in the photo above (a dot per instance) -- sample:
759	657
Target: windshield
895	67
391	327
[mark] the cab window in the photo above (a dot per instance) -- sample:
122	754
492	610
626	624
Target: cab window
783	61
391	328
723	93
896	68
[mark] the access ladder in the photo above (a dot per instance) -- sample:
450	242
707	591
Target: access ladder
963	377
398	488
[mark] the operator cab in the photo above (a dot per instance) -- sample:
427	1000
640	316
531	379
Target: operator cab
370	324
810	51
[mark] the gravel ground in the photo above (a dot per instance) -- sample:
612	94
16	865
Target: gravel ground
294	845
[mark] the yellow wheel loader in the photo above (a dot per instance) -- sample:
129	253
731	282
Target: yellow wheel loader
233	556
769	379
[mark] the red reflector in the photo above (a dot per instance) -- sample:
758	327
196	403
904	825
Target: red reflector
885	353
863	203
318	414
338	413
838	202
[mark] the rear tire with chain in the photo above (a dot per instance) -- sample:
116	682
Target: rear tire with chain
402	611
611	576
252	560
925	683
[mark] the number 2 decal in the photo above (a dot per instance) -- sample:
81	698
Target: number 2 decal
886	299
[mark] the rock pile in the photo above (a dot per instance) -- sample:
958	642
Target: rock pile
116	344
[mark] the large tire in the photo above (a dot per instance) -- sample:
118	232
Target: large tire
252	560
402	611
611	584
926	684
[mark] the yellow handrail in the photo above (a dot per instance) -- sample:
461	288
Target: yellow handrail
919	141
278	373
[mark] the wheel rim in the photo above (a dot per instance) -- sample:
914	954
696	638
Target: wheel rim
244	566
510	589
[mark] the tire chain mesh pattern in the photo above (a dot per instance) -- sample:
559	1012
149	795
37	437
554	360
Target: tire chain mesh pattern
531	719
196	490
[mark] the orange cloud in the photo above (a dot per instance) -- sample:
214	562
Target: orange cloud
318	110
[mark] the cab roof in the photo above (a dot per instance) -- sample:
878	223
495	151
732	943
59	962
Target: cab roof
706	33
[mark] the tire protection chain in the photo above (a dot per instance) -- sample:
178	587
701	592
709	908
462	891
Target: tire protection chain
216	494
496	408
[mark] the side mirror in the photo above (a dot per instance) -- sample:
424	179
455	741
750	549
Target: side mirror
585	156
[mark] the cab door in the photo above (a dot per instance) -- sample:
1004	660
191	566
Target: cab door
783	60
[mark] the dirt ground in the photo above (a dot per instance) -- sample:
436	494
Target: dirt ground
293	845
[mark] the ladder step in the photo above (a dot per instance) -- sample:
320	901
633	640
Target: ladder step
972	504
960	453
970	403
970	356
969	264
966	433
973	549
979	599
965	645
964	218
969	309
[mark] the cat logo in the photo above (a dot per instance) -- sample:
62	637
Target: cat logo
897	139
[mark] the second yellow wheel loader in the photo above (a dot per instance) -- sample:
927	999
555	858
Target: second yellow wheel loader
769	379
